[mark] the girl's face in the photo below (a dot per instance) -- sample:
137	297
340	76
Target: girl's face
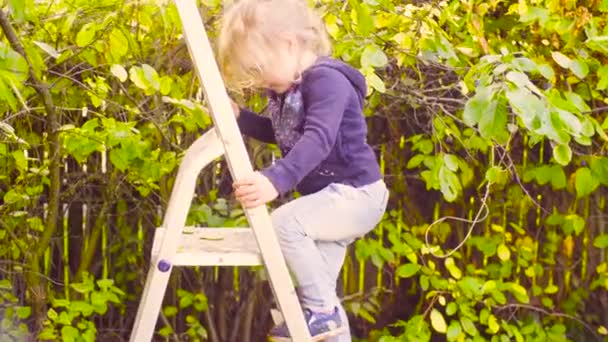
285	69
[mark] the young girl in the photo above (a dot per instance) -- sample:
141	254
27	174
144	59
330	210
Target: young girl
315	118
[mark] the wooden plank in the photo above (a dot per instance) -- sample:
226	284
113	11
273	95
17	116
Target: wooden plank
213	247
239	164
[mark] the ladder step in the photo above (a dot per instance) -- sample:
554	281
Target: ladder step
213	247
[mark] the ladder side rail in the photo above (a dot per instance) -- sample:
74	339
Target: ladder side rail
200	154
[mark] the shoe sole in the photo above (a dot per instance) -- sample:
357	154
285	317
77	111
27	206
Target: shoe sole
317	338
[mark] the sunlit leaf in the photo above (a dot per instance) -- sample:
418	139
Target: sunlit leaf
373	56
120	72
562	154
438	322
51	51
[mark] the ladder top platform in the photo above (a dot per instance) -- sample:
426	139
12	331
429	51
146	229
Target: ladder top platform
199	246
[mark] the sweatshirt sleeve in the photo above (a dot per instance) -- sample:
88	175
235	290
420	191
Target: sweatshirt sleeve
325	93
256	126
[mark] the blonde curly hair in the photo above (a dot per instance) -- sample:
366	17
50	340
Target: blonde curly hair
249	37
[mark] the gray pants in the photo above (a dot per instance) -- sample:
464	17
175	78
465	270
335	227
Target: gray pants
314	231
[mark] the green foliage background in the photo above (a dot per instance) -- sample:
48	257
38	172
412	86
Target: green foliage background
489	118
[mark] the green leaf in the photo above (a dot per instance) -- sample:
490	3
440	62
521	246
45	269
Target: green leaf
69	334
166	85
52	314
51	51
471	287
468	326
137	76
48	334
365	22
166	331
99	302
170	311
499	297
577	101
373	56
13	67
83	288
415	161
407	270
375	82
599	168
450	265
534	13
518	78
449	184
574	223
451	308
17	9
557	177
451	162
151	76
5	284
602	74
24	312
588	128
493	122
579	68
585	182
120	158
598	43
476	106
546	71
562	154
561	59
495	174
86	35
524	64
119	72
119	44
520	293
503	252
186	301
83	307
454	331
601	241
105	284
493	326
528	106
551	289
13	196
438	322
20	160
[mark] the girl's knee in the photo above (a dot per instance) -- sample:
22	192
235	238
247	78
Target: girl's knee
281	220
285	223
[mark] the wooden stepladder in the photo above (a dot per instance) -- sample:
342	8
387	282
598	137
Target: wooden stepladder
257	245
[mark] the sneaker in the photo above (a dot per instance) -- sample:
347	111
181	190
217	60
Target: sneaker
321	325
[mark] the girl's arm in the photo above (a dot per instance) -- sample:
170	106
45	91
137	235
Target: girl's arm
255	126
325	95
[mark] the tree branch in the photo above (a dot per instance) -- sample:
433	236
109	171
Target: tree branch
36	288
53	136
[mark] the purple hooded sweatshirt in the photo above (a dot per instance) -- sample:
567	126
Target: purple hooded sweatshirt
319	126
